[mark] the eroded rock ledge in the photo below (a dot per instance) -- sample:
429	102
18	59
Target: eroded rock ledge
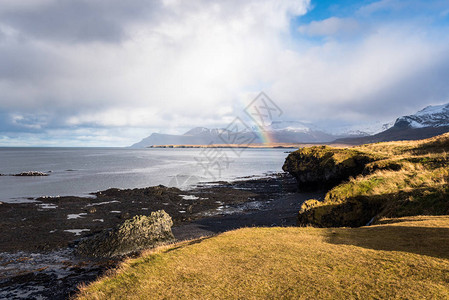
323	166
373	181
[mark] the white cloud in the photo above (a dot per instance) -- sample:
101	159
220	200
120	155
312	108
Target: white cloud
331	26
380	77
190	62
383	5
402	6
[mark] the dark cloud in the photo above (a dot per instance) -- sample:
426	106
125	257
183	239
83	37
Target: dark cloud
422	87
25	62
79	21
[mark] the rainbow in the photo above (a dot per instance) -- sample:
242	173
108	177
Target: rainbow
266	136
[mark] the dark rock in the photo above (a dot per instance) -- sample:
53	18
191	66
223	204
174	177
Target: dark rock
31	173
138	233
324	167
351	213
125	215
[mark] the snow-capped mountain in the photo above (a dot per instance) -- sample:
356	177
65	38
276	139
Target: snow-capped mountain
279	132
195	136
197	131
294	126
431	116
359	130
428	122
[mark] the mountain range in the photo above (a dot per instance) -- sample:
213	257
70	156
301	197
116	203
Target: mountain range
428	122
278	132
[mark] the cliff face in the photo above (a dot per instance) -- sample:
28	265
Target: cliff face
323	166
374	181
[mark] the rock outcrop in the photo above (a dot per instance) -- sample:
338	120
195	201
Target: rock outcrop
138	233
371	182
350	213
323	166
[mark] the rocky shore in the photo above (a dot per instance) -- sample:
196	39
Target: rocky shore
38	239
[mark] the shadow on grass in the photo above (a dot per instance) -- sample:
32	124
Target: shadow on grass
193	242
428	241
358	210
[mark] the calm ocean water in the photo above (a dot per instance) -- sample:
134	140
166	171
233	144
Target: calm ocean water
80	171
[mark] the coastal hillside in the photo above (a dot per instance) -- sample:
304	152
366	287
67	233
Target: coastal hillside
399	189
404	258
428	122
373	181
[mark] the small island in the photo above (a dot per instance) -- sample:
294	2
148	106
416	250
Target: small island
252	146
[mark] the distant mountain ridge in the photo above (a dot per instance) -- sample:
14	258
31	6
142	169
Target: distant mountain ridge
431	116
426	123
279	132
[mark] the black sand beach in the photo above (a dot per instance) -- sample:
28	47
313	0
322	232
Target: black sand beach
38	239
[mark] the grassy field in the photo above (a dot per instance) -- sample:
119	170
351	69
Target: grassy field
404	258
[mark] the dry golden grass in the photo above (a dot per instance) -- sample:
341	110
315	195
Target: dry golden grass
403	178
410	177
437	144
404	258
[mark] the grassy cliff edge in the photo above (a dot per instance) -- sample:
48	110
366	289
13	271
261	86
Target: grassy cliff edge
373	181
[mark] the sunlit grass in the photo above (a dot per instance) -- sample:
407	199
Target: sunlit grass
403	178
405	259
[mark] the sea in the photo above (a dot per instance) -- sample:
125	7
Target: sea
83	171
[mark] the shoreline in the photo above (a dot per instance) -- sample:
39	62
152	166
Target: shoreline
42	254
251	146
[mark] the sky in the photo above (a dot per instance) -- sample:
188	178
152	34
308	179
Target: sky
111	72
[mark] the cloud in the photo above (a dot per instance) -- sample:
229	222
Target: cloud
388	73
383	5
76	21
403	7
136	64
111	72
331	27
